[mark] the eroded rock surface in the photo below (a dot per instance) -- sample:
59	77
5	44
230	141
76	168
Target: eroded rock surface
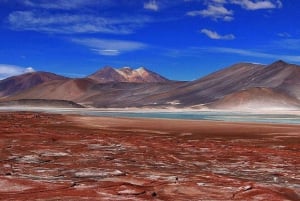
55	157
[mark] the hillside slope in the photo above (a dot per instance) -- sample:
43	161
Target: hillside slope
256	99
15	84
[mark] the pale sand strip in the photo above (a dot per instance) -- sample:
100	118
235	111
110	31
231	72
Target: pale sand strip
186	126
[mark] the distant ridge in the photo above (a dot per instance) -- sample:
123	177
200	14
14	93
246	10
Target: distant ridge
242	85
126	74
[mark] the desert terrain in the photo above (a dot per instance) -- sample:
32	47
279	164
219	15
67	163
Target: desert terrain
164	100
70	157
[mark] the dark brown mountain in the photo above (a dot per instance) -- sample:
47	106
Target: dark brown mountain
20	83
66	89
215	85
283	76
126	74
279	75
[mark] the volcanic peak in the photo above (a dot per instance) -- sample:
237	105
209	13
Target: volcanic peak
126	74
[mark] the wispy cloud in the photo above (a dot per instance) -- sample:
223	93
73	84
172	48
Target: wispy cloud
194	52
250	53
256	5
219	1
215	12
151	5
238	51
286	44
72	23
110	47
7	70
214	35
284	35
60	4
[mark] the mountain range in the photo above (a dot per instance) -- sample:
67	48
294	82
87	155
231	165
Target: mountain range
240	86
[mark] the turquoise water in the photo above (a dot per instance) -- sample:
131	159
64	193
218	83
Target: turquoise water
188	115
216	116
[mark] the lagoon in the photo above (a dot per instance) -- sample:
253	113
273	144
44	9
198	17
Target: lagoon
279	117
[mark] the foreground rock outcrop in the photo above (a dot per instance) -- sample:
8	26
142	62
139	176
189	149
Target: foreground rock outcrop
55	157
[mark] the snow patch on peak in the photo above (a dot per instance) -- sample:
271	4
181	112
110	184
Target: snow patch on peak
126	68
141	69
125	72
29	70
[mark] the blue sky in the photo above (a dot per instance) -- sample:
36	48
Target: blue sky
180	39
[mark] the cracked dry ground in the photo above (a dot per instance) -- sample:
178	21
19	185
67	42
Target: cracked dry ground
59	157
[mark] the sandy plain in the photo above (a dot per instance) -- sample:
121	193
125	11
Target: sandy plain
69	157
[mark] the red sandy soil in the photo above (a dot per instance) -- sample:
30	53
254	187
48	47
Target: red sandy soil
59	157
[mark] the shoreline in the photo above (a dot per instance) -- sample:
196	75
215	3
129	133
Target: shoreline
167	109
272	117
186	126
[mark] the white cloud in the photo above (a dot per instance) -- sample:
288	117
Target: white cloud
151	5
216	9
72	23
110	47
7	70
214	35
215	12
250	5
284	35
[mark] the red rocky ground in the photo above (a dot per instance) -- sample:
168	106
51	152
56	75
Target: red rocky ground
56	157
